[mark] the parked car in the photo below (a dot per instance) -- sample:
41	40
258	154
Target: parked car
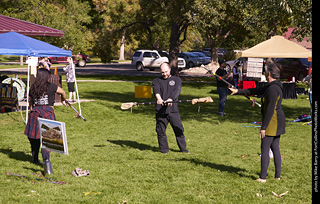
191	59
203	57
221	51
231	63
152	60
79	60
293	67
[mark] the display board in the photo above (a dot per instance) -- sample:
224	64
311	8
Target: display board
53	135
254	67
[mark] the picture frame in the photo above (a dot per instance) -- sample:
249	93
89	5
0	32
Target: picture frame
53	136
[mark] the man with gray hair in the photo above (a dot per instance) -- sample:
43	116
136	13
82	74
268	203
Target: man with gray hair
167	89
273	119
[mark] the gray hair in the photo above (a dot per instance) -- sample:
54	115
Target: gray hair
274	70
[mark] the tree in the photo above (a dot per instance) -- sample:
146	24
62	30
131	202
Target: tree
273	17
218	20
119	16
67	15
301	16
171	16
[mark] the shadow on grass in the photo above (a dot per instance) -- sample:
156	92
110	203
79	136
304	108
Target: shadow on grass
20	156
137	145
221	167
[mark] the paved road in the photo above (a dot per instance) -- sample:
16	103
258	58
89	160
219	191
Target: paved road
103	69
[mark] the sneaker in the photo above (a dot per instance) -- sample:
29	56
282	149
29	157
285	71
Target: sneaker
222	114
261	180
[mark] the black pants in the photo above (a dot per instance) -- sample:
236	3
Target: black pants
175	122
35	146
266	143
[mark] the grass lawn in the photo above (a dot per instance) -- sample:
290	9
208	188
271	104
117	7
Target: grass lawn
120	150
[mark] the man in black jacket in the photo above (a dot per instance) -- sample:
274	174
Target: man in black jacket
222	87
167	89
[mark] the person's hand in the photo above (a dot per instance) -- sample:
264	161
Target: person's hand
160	101
253	102
168	100
262	134
209	73
64	103
233	90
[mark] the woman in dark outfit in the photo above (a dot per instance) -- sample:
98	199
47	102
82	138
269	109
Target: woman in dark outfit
273	119
41	98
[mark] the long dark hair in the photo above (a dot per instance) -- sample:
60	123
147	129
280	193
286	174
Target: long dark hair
41	84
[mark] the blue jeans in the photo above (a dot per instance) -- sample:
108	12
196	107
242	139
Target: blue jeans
223	92
235	83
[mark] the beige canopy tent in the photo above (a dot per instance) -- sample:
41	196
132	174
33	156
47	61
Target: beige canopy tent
277	47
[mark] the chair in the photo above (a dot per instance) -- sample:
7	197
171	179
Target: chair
8	99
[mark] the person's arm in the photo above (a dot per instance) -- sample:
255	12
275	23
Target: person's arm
66	68
156	91
222	73
306	79
63	95
159	99
248	92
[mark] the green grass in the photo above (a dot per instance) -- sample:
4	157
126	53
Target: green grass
120	150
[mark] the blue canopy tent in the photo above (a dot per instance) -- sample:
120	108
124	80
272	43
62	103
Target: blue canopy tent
13	43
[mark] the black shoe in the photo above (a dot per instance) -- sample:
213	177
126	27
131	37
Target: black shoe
37	162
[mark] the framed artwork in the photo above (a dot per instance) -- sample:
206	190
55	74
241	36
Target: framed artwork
53	136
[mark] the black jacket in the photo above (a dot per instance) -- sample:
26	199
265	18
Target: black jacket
221	72
273	119
167	88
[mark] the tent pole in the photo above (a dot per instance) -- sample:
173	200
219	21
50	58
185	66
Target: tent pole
28	84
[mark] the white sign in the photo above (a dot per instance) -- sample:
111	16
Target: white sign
254	67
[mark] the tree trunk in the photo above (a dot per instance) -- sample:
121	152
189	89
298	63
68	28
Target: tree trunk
215	42
214	49
174	48
122	42
214	55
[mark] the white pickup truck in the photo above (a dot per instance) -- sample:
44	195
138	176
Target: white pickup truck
152	60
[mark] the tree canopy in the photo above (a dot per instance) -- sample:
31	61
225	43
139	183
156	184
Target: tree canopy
116	28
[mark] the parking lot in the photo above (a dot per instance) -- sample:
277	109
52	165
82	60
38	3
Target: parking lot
105	69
